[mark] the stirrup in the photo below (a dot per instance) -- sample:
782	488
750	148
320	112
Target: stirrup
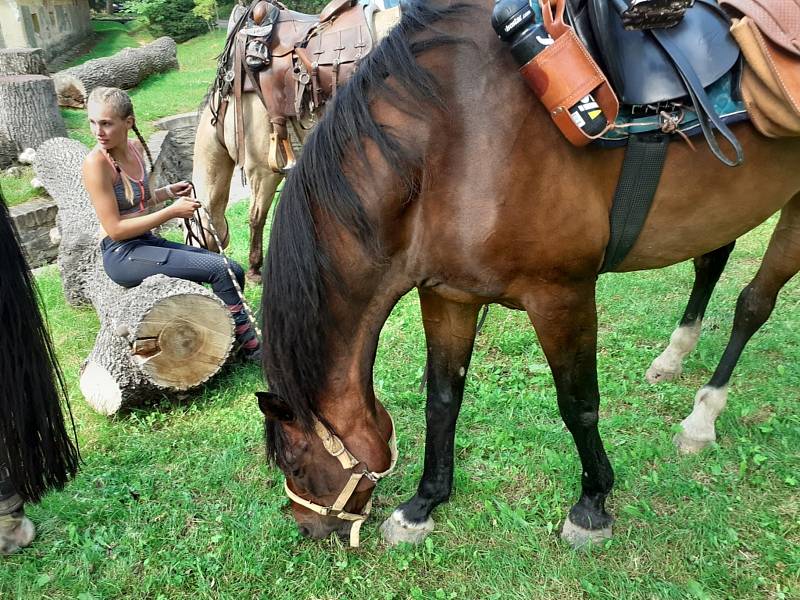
284	149
655	14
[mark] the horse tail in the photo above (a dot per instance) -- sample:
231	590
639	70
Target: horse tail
35	447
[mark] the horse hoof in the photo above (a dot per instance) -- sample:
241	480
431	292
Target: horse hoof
397	529
580	538
687	445
659	373
16	533
253	277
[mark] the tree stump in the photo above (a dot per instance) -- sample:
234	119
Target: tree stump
163	336
22	61
29	113
125	69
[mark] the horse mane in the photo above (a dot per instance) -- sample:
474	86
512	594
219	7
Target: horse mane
34	445
299	270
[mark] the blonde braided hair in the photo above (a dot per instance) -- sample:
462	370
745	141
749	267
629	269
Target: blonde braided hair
120	102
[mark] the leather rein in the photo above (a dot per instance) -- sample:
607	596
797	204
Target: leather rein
336	448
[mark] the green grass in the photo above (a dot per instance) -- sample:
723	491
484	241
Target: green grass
111	37
177	501
164	94
17	190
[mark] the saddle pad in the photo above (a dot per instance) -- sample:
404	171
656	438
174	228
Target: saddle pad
639	69
723	93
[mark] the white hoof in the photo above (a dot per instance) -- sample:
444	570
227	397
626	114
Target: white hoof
698	429
687	445
669	364
16	533
578	537
397	529
658	373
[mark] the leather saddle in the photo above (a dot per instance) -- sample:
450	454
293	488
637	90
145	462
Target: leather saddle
294	62
664	64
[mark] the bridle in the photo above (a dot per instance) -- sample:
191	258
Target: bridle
335	447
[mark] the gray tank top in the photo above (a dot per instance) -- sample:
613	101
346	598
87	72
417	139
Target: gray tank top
141	190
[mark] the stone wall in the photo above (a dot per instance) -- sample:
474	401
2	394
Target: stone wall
53	25
34	220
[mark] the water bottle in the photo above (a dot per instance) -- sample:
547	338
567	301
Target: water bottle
515	23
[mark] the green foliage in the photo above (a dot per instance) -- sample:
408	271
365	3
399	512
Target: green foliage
169	17
17	190
206	10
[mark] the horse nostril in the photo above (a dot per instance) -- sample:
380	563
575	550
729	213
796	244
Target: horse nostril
304	531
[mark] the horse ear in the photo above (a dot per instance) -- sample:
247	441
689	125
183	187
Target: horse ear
274	407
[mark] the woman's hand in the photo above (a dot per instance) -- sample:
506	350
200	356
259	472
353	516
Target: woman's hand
183	209
181	189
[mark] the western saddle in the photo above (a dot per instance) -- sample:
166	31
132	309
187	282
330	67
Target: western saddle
294	62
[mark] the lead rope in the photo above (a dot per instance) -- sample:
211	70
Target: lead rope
231	274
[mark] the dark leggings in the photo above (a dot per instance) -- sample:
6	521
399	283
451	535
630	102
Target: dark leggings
129	262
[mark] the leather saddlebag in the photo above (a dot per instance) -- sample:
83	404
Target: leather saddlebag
770	81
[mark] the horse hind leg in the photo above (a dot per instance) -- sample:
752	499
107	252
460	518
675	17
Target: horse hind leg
450	334
16	530
754	306
707	270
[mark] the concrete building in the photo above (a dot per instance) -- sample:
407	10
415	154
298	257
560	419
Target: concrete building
53	25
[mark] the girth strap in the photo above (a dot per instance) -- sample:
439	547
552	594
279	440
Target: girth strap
638	181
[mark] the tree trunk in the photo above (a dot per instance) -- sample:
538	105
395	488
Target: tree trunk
125	69
22	61
29	112
163	336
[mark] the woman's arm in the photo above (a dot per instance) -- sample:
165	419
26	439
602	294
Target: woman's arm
100	186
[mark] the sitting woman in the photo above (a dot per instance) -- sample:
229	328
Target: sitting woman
117	182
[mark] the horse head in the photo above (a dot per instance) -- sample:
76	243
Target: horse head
330	486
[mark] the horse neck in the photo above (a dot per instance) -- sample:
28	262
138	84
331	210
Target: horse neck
372	289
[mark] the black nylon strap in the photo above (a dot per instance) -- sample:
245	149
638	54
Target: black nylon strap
638	181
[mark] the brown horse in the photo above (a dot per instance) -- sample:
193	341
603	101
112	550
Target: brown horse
436	169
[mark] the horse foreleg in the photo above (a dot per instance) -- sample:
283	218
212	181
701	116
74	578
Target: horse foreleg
450	334
781	262
565	318
212	170
263	185
16	530
707	270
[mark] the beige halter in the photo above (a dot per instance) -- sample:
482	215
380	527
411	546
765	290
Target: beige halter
336	448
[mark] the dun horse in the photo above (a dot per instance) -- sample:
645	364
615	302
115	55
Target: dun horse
215	150
435	169
36	454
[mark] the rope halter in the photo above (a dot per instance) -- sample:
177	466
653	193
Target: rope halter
335	447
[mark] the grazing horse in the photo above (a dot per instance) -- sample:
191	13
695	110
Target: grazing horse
436	169
36	454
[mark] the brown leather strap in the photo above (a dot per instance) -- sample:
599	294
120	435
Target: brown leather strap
220	124
238	82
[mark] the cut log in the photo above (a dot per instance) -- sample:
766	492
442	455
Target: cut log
125	69
161	337
29	112
22	61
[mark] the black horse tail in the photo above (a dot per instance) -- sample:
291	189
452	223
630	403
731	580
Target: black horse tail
34	444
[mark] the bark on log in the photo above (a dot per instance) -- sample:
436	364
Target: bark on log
163	336
29	112
125	69
22	61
